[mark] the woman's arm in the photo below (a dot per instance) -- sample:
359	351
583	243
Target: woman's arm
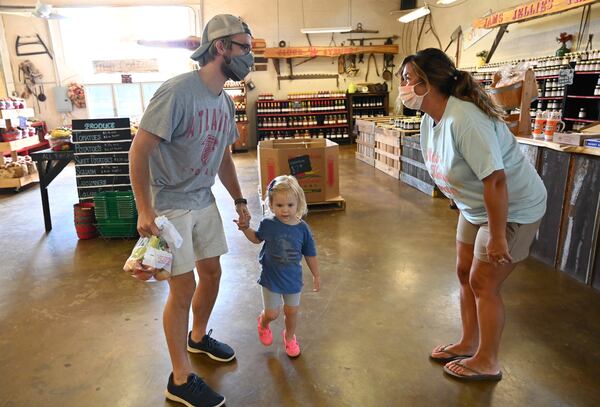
495	198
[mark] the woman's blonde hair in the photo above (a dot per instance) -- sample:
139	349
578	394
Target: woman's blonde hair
287	184
437	69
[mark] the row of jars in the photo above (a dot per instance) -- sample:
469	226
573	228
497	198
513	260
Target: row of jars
302	121
408	124
7	104
318	94
550	107
587	66
368	102
265	96
17	133
241	117
341	133
577	126
367	113
549	104
303	106
551	88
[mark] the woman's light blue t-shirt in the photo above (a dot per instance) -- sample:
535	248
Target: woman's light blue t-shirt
465	147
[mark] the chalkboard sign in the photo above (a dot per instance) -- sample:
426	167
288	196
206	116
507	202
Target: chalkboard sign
101	156
102	180
299	164
87	193
565	76
106	169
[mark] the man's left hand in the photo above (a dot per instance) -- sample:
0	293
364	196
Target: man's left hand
243	216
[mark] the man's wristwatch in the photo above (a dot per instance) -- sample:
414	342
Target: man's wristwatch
238	201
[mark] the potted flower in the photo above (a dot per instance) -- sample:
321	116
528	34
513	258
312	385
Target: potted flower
482	55
563	38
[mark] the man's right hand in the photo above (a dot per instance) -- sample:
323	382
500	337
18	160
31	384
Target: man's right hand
145	224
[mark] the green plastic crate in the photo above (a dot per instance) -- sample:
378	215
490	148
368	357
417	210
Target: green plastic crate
117	229
115	205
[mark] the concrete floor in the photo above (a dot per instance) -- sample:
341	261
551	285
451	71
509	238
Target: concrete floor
75	330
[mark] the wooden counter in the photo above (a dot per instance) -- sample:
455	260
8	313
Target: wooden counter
568	235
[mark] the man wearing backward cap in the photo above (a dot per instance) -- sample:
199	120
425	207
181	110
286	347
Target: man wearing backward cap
181	145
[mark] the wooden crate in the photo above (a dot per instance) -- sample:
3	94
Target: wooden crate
387	152
413	171
365	147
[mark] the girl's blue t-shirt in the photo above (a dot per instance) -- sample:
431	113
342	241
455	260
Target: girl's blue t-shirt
281	254
464	148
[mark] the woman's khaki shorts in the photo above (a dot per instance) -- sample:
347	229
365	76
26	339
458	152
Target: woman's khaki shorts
203	236
519	237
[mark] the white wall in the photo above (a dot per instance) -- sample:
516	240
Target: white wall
275	20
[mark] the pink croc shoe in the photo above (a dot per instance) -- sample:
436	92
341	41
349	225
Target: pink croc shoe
292	348
264	334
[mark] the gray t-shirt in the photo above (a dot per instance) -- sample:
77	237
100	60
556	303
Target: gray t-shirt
196	126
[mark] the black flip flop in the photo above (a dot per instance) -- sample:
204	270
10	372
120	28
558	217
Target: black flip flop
477	377
453	356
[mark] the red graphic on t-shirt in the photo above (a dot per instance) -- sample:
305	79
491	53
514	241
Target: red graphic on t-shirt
439	177
208	147
190	131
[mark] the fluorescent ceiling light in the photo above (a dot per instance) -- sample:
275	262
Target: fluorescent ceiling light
445	1
325	30
413	15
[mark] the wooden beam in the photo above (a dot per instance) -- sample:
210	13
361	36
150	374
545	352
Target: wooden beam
309	52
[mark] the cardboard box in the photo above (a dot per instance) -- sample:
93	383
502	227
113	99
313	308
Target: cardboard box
574	139
314	163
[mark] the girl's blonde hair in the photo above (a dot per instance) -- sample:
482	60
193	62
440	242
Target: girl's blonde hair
287	184
434	67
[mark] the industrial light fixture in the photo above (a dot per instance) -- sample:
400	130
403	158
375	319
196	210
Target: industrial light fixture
415	14
325	30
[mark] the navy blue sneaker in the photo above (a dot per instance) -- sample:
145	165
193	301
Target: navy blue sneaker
194	393
214	349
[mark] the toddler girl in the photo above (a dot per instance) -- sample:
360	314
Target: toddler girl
286	239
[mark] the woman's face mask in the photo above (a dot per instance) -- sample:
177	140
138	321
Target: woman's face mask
237	67
409	98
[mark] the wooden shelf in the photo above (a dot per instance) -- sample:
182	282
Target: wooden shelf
18	182
546	77
342	112
587	72
300	99
9	146
559	147
549	98
9	114
368	107
284	128
583	97
579	120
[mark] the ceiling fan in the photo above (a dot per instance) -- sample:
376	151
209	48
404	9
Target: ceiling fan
41	10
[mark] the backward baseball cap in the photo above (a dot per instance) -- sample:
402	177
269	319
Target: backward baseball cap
221	25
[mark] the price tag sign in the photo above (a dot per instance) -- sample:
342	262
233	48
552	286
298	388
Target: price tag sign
565	76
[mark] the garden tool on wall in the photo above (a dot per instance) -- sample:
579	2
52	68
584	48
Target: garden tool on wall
371	57
388	62
31	78
351	70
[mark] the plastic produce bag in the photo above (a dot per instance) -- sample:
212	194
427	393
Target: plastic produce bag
151	257
510	74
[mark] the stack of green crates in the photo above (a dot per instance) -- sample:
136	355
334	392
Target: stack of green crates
116	214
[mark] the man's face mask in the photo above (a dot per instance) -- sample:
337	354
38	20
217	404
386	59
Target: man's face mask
237	67
409	98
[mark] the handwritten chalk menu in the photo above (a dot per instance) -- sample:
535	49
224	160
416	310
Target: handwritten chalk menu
101	156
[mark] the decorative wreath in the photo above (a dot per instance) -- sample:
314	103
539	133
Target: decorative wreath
76	94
